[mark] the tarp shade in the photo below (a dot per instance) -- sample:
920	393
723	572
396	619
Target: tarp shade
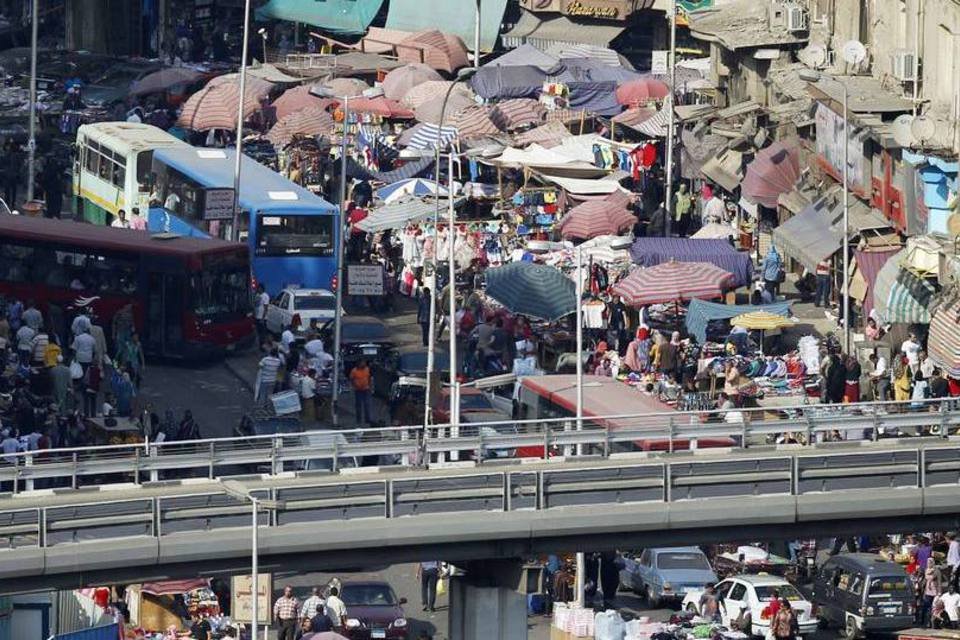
701	312
652	251
586	91
336	16
869	264
399	214
809	237
449	16
943	341
899	295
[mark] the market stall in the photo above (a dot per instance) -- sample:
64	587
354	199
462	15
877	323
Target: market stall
648	252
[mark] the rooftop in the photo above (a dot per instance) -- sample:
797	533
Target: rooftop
742	24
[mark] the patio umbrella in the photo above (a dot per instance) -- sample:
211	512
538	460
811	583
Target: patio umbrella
607	216
298	99
673	282
380	106
531	289
259	86
900	295
440	51
607	249
761	321
774	170
516	113
399	81
412	187
340	87
216	108
472	122
639	91
309	122
430	111
164	79
432	89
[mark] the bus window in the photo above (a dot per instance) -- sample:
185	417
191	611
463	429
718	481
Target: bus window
294	234
92	158
144	168
13	259
220	293
189	192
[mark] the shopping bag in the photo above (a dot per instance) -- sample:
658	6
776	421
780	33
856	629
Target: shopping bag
441	586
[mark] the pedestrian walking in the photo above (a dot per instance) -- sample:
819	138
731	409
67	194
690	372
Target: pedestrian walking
932	587
772	271
267	373
286	613
336	609
423	315
429	573
360	380
784	623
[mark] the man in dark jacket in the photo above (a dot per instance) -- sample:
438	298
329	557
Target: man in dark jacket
658	223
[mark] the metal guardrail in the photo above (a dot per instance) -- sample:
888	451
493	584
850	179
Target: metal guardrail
416	446
803	483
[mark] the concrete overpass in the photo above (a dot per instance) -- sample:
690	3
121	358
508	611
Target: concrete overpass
124	532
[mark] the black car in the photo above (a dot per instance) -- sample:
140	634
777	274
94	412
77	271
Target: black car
362	338
862	593
405	363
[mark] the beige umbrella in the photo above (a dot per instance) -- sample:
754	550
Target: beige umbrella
309	122
430	111
259	86
216	108
427	91
298	99
349	87
164	79
396	83
437	50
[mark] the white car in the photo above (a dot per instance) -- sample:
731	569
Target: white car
746	597
307	304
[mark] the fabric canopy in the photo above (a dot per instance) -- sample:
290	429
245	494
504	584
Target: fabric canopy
899	295
516	113
424	136
544	33
412	187
174	587
714	231
430	90
593	218
774	170
400	213
309	122
455	18
672	282
525	55
943	340
639	91
534	290
436	50
652	251
215	107
336	16
592	87
398	82
160	81
298	99
701	312
420	167
809	236
432	110
760	321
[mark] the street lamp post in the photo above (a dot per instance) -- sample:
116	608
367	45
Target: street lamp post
239	492
815	76
240	118
668	195
32	143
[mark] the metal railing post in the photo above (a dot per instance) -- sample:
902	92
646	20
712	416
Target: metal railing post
28	462
921	468
546	441
212	451
336	457
73	475
606	440
667	482
507	491
670	432
41	527
388	499
541	498
795	476
274	453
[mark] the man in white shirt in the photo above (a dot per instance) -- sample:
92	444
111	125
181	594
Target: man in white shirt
951	605
84	346
879	377
172	202
336	609
120	220
267	376
261	300
312	605
714	210
911	349
314	346
953	557
286	339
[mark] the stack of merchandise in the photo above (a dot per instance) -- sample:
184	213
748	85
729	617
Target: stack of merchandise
571	622
643	629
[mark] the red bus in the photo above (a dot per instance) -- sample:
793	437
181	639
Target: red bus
189	298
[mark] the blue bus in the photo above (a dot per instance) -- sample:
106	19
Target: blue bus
291	232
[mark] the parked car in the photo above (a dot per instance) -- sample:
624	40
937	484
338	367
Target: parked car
862	593
373	611
400	363
744	601
362	337
667	573
297	307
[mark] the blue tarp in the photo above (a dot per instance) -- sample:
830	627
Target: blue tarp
700	313
455	17
649	252
106	632
335	16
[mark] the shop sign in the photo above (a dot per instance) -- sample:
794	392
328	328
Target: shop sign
541	5
218	204
365	280
241	605
600	9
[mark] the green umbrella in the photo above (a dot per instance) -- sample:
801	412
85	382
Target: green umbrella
534	290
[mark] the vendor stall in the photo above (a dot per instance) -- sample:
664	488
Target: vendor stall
648	252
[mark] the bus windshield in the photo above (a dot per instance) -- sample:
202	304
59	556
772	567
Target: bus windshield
220	293
282	235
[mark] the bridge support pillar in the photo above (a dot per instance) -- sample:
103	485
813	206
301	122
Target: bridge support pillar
489	601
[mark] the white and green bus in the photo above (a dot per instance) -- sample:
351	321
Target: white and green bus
111	165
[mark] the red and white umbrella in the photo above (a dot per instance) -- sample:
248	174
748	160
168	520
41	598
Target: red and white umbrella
606	216
773	171
215	107
309	122
380	106
262	88
440	51
673	282
298	99
638	91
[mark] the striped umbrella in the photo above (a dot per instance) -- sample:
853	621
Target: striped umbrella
298	99
429	90
899	295
259	86
164	79
606	216
429	111
773	171
472	122
340	87
943	340
547	135
216	108
309	122
440	51
380	106
411	187
673	282
399	81
516	113
423	136
531	289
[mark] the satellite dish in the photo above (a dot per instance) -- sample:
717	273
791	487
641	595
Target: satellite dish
902	131
814	55
953	224
854	52
924	129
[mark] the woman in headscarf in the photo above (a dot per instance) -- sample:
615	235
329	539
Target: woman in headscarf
851	389
638	352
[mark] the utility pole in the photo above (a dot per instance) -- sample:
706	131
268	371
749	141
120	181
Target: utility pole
668	191
32	144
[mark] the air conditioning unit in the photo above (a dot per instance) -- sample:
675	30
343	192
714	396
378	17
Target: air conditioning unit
904	65
797	19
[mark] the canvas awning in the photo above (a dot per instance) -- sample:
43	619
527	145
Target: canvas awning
651	251
701	312
943	341
809	236
544	33
900	295
725	168
398	215
336	16
453	18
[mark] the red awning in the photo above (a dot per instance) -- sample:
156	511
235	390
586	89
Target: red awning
774	170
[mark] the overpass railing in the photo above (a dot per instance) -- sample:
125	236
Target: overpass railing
782	485
479	442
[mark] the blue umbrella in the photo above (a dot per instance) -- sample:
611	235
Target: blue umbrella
411	187
531	289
